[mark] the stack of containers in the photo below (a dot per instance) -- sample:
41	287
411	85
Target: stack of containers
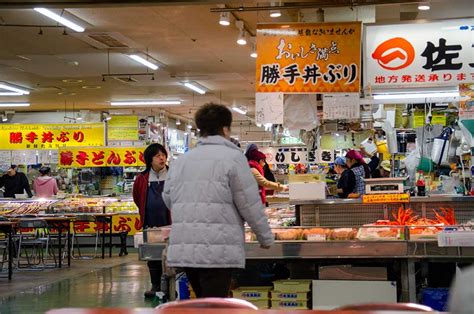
291	294
258	296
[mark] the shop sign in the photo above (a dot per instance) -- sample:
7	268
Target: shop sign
308	58
438	53
385	198
285	155
120	223
50	136
77	157
122	128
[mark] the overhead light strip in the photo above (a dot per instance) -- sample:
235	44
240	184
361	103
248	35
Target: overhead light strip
14	89
146	103
195	87
144	62
239	110
415	95
60	19
14	104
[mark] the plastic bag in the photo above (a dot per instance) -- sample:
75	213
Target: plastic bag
411	163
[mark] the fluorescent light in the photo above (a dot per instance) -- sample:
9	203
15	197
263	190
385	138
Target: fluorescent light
13	89
195	88
14	104
424	7
60	19
144	62
145	102
10	94
224	19
242	39
239	110
275	13
416	95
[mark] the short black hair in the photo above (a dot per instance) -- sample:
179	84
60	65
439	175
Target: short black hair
151	152
45	170
212	118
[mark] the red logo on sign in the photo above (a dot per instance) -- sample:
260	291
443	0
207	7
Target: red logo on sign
394	54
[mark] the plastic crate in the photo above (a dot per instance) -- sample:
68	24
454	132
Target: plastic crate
252	293
301	296
292	285
289	304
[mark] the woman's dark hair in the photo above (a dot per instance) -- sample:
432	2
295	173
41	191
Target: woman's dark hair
212	118
151	152
44	170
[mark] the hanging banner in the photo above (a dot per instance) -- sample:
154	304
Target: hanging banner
120	223
88	157
50	136
308	58
285	155
438	53
122	128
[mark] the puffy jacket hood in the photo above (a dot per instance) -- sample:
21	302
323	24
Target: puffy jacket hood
44	180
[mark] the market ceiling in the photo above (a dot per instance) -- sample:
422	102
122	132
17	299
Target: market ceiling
62	68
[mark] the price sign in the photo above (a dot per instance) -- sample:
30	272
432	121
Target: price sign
385	198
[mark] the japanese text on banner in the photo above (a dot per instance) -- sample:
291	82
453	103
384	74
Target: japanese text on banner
50	136
308	58
437	53
101	157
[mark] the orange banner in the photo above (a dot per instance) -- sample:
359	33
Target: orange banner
308	58
385	198
77	157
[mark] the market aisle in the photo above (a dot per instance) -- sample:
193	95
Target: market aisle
117	286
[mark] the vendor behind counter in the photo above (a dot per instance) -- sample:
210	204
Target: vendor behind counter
15	183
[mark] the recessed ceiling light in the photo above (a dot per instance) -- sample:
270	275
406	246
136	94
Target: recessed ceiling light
71	81
60	19
91	87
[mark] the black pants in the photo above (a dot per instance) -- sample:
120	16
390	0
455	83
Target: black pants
210	282
155	273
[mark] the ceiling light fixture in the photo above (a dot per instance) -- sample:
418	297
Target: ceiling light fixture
253	54
242	39
274	13
189	126
15	89
178	122
425	6
144	62
4	118
10	94
224	19
14	104
60	19
239	110
145	102
195	87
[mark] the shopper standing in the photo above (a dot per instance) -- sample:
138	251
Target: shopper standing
356	163
256	160
211	192
147	195
45	186
15	183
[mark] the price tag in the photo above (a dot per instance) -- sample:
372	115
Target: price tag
385	198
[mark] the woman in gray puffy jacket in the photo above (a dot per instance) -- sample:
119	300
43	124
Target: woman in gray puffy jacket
211	192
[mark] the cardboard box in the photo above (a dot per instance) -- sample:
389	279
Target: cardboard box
252	293
347	272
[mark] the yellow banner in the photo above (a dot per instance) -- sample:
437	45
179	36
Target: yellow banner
308	58
120	223
385	198
50	136
122	128
88	157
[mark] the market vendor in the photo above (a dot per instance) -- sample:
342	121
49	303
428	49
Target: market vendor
346	182
147	195
256	161
15	183
356	163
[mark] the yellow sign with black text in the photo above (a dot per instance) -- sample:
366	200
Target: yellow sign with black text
385	198
50	136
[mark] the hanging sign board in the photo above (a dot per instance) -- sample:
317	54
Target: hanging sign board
285	155
308	58
122	128
341	106
88	157
269	108
50	136
422	54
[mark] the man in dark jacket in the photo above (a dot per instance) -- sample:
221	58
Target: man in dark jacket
15	183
